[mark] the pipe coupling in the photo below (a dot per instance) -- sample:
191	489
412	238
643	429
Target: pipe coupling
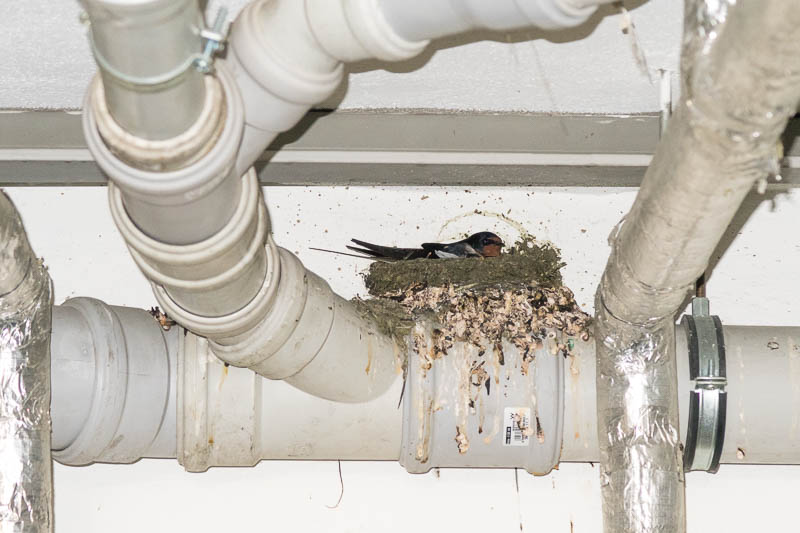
126	415
183	205
497	409
166	154
214	277
353	30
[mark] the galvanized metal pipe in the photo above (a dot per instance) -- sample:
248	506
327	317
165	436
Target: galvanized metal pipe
741	72
26	485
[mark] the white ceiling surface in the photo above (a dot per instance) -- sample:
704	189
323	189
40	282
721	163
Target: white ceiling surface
47	65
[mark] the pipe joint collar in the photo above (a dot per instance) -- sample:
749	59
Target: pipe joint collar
217	276
236	324
218	416
167	154
352	30
191	193
131	385
523	397
292	332
554	14
272	42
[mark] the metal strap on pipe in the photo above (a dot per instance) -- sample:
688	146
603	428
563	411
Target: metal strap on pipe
214	39
708	401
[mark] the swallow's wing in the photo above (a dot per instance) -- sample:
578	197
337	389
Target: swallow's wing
451	250
388	252
441	254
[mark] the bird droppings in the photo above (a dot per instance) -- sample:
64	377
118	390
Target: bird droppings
773	345
461	441
517	298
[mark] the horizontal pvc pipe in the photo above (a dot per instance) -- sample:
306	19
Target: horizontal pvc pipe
140	39
113	394
226	415
417	20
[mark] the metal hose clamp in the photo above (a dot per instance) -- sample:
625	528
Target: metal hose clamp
214	40
707	402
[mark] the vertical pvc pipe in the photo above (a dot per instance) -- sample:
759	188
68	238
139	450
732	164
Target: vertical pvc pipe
26	485
141	39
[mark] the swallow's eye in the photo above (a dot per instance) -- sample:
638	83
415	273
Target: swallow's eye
486	242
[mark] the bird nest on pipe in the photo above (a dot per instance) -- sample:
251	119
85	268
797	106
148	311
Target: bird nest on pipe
518	296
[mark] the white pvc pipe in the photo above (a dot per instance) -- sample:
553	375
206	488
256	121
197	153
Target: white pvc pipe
141	39
113	397
182	205
287	55
212	413
430	19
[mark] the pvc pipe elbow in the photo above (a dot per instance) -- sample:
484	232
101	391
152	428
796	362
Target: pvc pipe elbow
280	69
314	340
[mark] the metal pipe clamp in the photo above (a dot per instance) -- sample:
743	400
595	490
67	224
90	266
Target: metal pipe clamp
708	401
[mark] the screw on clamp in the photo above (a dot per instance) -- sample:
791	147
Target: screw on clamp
215	38
708	401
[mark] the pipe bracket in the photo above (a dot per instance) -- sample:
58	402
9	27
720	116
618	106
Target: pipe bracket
214	40
705	435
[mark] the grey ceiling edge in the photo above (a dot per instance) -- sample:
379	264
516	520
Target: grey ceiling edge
40	148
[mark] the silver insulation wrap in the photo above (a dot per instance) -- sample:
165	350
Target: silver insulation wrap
741	83
641	475
26	494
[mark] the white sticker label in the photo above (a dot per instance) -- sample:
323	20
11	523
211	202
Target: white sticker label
517	424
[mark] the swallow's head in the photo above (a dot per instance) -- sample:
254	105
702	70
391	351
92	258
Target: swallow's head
486	243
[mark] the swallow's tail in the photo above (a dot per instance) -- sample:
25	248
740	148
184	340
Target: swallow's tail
388	252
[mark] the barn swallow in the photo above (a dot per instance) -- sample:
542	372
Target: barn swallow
483	244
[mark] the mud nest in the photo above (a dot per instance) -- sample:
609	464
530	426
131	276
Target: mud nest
526	262
518	296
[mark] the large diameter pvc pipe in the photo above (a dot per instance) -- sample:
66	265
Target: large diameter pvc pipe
26	485
114	393
742	82
141	39
218	415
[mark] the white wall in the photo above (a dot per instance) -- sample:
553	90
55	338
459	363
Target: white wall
755	283
47	64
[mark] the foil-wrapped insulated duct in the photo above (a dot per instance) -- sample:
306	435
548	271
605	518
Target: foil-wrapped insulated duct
741	83
26	487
